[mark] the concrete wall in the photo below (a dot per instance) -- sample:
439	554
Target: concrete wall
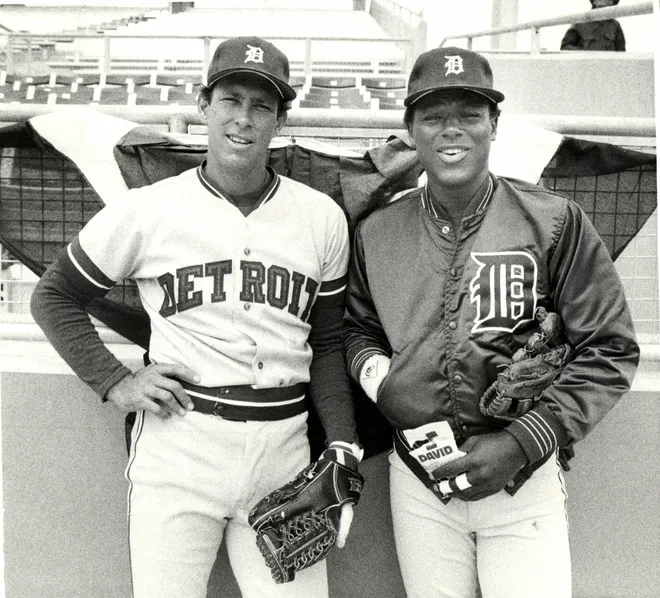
591	84
64	498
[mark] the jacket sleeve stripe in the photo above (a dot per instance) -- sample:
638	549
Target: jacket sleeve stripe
355	367
538	432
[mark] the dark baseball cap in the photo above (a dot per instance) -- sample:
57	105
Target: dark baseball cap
451	68
251	55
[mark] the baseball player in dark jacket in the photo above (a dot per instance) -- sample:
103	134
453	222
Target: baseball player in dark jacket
242	273
444	285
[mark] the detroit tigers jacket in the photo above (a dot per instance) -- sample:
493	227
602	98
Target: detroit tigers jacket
451	309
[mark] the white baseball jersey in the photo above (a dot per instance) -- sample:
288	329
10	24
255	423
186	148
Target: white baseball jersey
228	296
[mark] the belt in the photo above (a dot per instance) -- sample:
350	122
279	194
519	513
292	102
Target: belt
244	403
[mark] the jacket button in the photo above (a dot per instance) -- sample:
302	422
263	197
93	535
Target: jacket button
445	230
452	325
452	271
457	379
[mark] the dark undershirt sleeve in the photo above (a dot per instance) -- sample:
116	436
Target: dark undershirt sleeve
330	386
58	307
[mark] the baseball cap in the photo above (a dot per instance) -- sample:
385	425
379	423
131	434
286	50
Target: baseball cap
251	55
451	68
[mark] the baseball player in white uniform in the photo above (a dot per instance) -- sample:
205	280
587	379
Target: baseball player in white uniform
242	274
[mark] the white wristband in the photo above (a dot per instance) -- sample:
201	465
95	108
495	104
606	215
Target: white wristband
352	447
372	374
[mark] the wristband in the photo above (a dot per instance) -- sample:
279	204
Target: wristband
372	374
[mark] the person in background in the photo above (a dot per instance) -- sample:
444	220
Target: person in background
605	35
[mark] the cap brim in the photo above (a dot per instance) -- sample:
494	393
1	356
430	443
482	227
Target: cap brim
287	93
487	92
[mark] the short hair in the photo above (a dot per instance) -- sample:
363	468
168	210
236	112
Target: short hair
206	92
408	115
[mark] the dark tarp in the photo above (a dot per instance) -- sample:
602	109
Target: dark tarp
45	200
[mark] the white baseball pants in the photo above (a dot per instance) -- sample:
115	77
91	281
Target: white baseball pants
509	546
192	483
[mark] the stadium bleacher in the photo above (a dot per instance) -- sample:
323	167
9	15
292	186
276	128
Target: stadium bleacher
171	70
159	88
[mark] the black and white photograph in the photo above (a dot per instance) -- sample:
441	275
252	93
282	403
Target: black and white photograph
329	299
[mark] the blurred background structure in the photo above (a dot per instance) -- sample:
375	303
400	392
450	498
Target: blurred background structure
63	455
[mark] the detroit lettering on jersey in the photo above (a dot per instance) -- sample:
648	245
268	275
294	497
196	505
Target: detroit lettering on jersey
503	290
275	285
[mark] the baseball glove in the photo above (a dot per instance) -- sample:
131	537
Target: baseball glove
297	524
534	368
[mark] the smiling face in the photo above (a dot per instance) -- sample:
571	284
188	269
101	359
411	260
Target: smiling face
242	118
452	131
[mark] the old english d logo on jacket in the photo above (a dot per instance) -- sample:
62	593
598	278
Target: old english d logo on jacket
503	290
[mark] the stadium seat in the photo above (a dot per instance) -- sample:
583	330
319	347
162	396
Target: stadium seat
388	104
333	82
333	98
384	83
179	96
88	78
62	79
37	80
9	95
117	79
177	79
112	95
151	95
387	93
39	95
81	96
140	79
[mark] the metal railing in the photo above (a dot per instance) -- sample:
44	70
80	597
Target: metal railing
104	61
600	14
404	12
640	259
180	118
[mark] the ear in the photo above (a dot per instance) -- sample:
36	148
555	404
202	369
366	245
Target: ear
493	124
409	139
202	106
281	119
